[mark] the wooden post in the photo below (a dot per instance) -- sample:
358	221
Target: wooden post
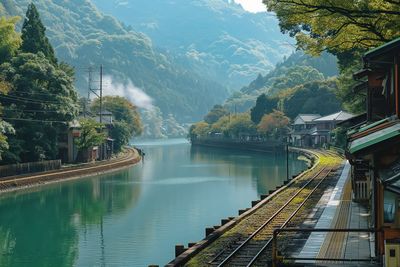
396	85
274	249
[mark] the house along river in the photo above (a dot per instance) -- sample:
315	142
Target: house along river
136	216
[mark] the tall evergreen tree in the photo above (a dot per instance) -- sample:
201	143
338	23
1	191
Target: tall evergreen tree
34	39
264	105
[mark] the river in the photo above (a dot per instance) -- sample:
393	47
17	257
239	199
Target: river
136	216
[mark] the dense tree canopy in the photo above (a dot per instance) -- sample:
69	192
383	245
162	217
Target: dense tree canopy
9	39
39	105
339	25
127	119
263	106
274	124
34	39
315	97
92	134
215	113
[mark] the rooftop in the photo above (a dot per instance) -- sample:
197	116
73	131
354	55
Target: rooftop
339	116
308	117
383	49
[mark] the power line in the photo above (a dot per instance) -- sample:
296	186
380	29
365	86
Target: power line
32	120
23	99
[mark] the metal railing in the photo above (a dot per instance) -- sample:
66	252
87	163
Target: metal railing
29	167
278	259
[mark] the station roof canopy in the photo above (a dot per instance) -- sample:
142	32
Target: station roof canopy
383	54
374	138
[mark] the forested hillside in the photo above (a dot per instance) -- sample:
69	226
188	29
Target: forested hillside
217	38
295	72
83	36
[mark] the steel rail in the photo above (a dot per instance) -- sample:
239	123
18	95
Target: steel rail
229	257
255	258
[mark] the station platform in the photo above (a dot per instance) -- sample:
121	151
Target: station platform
340	212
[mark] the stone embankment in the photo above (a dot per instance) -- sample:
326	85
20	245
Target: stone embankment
124	160
222	240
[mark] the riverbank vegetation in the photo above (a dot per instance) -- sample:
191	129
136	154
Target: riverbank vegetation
39	101
271	126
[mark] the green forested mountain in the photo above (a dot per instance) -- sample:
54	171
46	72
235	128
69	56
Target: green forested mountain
83	36
289	75
215	37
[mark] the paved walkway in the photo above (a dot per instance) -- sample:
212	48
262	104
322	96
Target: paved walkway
340	212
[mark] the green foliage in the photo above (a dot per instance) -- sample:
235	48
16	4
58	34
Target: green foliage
308	98
81	36
338	26
92	134
34	39
126	116
353	102
41	102
221	126
263	106
200	129
241	124
215	114
274	124
293	71
340	137
9	39
121	134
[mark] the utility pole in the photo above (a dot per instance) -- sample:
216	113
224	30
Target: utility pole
101	93
86	112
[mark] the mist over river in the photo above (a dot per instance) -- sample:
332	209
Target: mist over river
136	216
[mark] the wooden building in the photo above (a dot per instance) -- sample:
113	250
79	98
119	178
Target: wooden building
374	148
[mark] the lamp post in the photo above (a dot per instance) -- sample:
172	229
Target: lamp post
288	140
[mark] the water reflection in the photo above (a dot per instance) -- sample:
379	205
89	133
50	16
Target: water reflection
134	217
40	227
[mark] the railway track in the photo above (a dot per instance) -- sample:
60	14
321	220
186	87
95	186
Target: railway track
251	250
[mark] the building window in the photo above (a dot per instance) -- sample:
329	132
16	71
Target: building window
389	207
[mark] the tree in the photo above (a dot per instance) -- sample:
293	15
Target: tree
263	106
241	124
41	102
34	39
308	98
125	114
340	25
221	126
200	129
215	113
10	40
120	132
274	124
91	135
5	127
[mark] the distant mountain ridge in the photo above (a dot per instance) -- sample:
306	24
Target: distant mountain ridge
84	36
216	38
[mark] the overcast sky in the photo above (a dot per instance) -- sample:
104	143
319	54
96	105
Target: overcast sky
252	5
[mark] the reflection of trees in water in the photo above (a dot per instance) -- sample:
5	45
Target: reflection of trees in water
267	170
42	228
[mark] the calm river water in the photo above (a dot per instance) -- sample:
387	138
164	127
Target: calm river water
136	216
